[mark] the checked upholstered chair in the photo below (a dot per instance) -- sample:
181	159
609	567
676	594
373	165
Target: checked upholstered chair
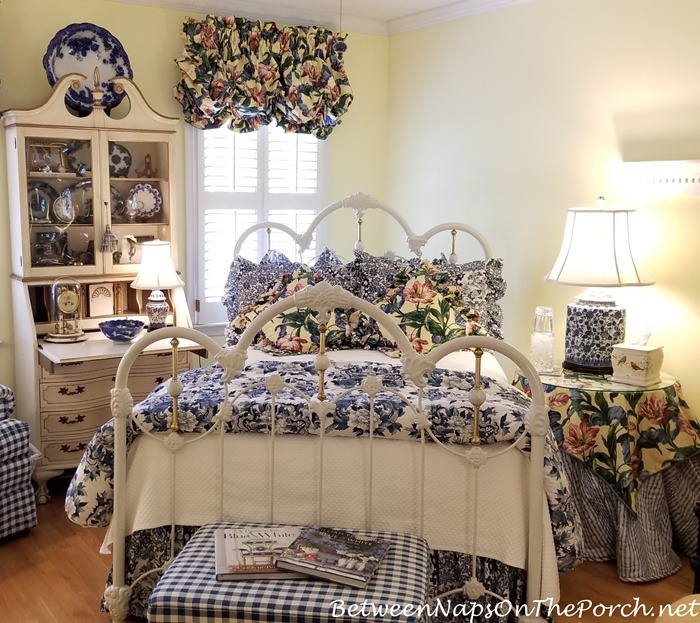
17	501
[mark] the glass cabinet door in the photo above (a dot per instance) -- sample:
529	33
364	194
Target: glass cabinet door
139	176
59	210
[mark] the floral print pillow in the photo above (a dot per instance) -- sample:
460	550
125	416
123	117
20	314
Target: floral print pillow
247	281
296	331
375	273
428	308
482	286
250	283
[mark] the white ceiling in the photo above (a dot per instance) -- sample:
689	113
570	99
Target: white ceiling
368	16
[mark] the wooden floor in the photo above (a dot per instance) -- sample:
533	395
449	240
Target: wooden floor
55	574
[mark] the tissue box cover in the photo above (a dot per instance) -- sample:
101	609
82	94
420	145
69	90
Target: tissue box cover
635	364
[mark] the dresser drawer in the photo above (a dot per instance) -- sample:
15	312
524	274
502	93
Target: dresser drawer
81	369
102	367
161	364
77	421
74	393
140	386
64	453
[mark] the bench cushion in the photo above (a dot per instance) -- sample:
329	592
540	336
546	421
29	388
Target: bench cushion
188	592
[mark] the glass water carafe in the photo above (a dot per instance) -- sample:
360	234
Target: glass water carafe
542	342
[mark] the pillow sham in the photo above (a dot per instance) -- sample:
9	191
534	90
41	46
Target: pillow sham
428	308
481	285
247	281
296	331
374	274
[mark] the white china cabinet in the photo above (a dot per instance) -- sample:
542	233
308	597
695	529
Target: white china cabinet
85	191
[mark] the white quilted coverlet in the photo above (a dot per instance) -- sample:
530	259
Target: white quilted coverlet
446	521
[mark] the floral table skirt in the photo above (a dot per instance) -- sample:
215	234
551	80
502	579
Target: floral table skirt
624	434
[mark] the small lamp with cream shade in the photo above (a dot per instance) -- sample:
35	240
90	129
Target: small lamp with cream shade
596	252
157	273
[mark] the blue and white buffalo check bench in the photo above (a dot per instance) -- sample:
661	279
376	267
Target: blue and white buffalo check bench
189	592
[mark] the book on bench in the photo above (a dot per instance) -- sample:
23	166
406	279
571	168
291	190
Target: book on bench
251	553
336	555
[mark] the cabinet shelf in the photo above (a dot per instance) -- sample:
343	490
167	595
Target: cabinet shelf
40	175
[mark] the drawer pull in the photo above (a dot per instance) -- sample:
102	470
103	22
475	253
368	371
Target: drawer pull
159	380
68	449
76	420
65	391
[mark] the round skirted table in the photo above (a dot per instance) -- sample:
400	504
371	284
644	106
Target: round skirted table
626	450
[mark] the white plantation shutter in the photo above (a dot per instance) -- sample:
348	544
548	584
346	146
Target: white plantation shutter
243	179
292	162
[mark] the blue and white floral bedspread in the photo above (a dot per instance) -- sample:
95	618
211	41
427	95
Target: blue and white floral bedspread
90	494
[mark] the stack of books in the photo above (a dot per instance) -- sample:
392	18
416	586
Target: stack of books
294	552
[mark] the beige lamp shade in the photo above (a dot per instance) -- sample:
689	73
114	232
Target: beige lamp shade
157	270
596	250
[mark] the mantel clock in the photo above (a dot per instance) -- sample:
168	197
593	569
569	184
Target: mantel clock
66	311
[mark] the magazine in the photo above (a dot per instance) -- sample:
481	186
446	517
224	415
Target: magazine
251	553
336	555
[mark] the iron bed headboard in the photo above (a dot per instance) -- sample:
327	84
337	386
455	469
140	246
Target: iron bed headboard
360	203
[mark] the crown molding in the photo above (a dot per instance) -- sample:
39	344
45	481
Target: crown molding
447	14
321	15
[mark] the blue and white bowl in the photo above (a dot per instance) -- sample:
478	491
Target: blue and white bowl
121	329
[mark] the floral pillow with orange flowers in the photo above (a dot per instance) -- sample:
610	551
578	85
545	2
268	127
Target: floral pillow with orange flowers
428	308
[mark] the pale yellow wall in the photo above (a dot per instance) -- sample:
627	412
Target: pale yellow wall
151	38
508	118
503	119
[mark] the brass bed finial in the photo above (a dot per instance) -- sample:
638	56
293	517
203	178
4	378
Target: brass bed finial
477	395
322	327
175	424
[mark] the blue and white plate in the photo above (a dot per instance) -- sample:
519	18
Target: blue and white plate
119	160
79	156
40	197
147	198
82	48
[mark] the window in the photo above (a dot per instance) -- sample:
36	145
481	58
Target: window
243	179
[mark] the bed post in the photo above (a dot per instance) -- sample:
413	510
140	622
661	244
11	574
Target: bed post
117	595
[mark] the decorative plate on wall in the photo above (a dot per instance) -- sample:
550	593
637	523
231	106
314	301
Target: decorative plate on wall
82	48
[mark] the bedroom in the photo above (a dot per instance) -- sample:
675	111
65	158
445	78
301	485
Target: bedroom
548	98
504	117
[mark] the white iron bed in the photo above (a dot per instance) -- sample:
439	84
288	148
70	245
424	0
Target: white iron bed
491	500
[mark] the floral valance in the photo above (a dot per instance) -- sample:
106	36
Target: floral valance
249	73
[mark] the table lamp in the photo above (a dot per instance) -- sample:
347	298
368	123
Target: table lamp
157	273
596	252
